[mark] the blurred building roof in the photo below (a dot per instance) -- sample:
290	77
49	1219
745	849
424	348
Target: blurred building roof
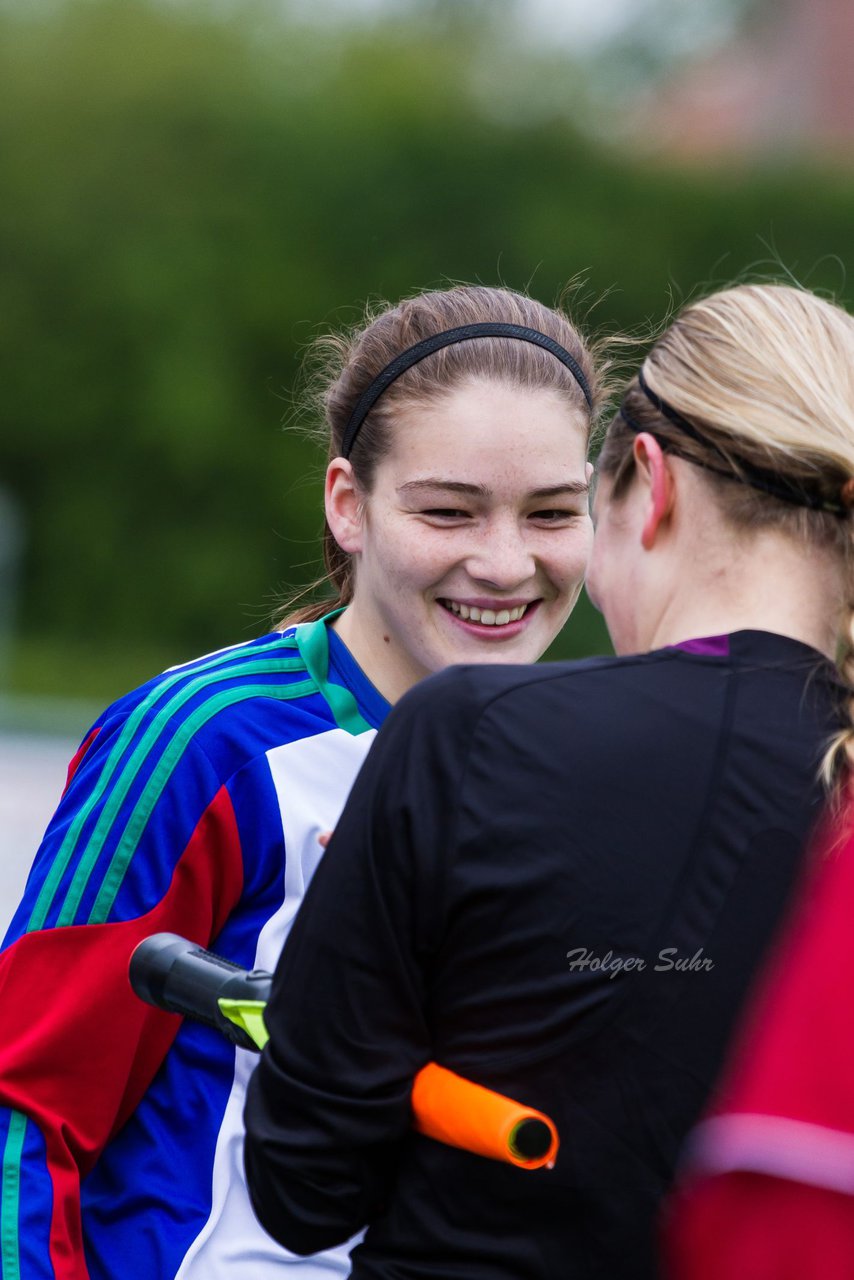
784	86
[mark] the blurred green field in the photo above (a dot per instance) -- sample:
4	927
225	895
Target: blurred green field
189	193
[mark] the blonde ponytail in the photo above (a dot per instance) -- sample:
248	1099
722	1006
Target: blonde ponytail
755	385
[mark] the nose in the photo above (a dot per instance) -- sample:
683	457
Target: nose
503	556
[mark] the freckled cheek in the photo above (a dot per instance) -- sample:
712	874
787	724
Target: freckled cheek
417	563
398	545
570	565
434	552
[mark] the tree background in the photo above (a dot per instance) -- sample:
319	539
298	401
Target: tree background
189	192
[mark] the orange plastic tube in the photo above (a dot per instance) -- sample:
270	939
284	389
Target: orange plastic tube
463	1114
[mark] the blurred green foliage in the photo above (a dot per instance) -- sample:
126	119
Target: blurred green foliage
189	192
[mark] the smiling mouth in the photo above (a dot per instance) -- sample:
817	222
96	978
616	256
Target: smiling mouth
486	617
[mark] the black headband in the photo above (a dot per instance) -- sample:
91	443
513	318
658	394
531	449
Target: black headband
412	355
791	491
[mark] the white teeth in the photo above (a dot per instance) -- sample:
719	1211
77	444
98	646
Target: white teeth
486	617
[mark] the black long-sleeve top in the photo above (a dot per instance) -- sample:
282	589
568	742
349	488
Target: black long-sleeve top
557	881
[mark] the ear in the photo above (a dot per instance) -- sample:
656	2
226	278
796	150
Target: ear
344	505
657	477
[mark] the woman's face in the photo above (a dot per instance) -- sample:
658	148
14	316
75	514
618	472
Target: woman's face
615	572
474	540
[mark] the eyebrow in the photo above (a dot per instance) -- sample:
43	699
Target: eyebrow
414	487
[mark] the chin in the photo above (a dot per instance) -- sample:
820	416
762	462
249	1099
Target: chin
493	659
525	651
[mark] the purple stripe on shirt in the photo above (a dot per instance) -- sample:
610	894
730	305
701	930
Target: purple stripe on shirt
709	646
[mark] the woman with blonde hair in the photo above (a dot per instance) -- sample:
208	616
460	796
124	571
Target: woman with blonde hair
754	387
558	881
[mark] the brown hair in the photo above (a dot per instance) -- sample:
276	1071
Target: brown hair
765	372
352	361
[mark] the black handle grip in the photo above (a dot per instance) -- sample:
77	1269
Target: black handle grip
175	974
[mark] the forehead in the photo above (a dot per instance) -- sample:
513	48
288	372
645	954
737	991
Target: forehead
486	432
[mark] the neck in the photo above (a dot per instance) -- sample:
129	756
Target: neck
772	586
387	672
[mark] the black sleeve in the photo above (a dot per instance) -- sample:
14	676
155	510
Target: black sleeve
330	1100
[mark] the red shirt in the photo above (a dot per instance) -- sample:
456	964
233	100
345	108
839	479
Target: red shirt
768	1192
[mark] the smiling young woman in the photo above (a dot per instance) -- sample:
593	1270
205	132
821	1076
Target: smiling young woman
462	494
472	544
457	531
